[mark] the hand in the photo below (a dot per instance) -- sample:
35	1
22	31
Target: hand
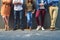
41	4
18	3
33	12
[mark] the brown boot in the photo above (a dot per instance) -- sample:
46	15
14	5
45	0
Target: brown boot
52	28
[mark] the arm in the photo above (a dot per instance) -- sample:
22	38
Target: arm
14	2
18	3
49	2
38	2
34	7
25	9
21	2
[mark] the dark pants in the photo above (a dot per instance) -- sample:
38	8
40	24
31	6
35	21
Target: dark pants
20	17
41	13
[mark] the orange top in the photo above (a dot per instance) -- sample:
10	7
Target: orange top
6	8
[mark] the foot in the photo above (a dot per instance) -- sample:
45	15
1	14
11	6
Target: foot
14	29
52	28
5	29
42	28
38	27
8	28
22	29
30	28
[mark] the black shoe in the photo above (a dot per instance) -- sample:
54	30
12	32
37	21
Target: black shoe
14	29
22	29
52	28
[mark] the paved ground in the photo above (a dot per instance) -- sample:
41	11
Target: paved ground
29	35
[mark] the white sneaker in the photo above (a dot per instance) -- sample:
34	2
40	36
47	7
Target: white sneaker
42	28
38	27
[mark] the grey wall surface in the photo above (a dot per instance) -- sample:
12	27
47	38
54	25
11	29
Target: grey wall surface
46	24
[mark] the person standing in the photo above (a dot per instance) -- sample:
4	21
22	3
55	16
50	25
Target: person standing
29	12
18	9
40	11
53	11
5	12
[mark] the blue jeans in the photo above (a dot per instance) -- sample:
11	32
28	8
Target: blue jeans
20	17
29	19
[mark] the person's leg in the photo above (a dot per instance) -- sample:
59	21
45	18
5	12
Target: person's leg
5	18
43	12
29	19
37	19
7	22
30	27
55	13
15	20
21	19
51	14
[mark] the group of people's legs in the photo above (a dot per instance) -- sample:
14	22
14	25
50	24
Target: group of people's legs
29	8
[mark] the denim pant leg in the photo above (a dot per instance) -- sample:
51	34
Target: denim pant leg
29	19
15	21
21	19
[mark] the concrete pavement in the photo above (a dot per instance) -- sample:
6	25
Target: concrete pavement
29	35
